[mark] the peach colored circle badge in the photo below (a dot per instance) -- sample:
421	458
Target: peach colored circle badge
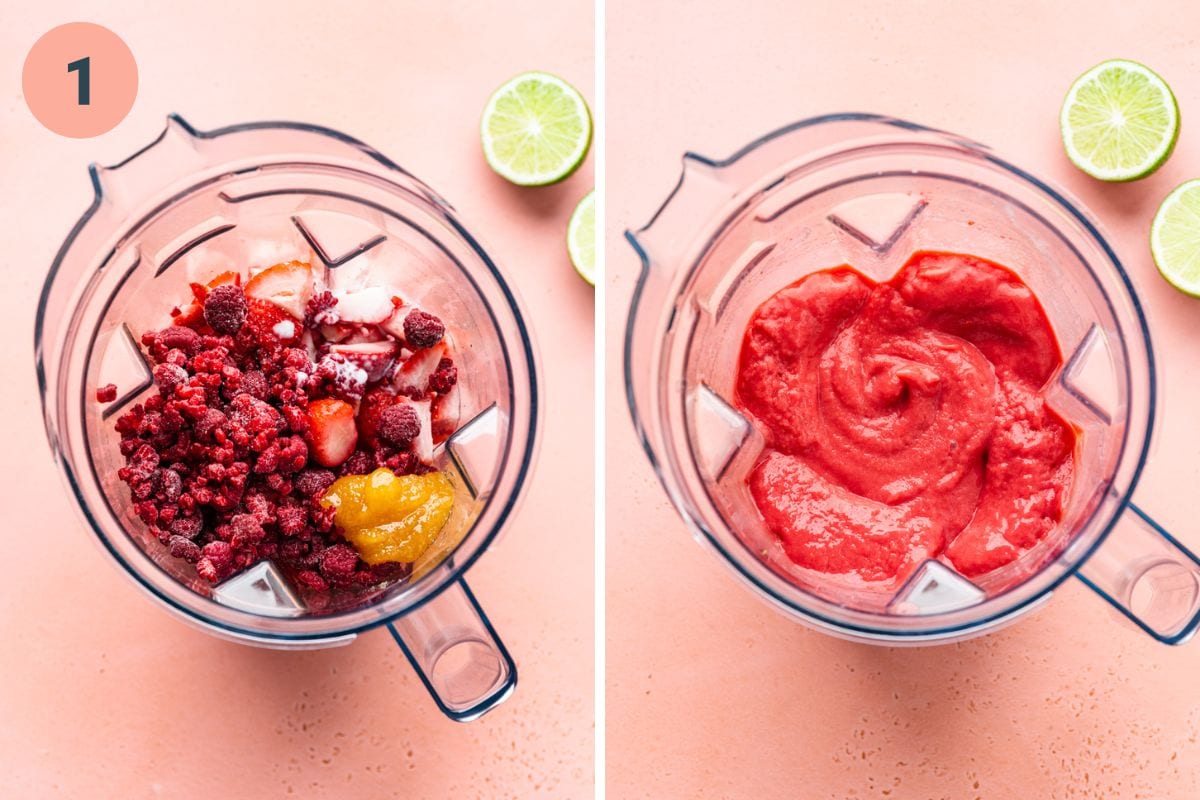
80	80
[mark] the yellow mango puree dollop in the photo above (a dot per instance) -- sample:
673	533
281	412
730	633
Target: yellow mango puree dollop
389	517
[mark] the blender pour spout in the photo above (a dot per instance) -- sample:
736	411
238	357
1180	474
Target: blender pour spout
174	154
699	194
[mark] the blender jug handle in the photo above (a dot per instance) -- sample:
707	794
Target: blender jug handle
1147	575
457	654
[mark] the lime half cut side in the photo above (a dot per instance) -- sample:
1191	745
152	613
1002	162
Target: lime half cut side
536	129
1119	121
581	238
1175	238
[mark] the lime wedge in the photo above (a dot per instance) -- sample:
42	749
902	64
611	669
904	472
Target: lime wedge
1175	238
536	129
1119	121
581	238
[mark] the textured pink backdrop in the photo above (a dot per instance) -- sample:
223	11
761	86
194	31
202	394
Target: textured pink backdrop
102	695
711	693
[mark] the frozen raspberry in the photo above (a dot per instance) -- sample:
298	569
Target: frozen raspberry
106	393
343	378
258	504
245	529
296	358
293	551
320	310
312	482
254	383
177	358
182	547
208	424
216	561
312	581
141	490
219	552
187	527
283	456
338	563
297	419
168	376
422	329
402	463
321	516
399	424
210	361
146	511
223	343
371	576
181	338
144	461
255	415
387	571
293	519
444	377
360	462
373	404
171	485
225	309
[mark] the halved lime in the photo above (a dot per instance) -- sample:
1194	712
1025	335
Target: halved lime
581	238
536	129
1175	238
1119	121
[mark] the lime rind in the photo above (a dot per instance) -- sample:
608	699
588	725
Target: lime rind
1119	121
536	129
1175	238
581	238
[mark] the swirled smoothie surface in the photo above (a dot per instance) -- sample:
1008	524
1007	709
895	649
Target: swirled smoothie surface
905	420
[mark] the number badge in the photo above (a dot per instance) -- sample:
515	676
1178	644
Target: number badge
80	80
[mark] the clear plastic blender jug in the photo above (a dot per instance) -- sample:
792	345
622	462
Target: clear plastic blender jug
185	208
869	191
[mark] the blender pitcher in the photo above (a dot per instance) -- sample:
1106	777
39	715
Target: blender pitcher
869	191
184	208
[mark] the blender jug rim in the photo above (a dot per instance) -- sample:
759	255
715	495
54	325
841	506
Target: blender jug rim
442	578
719	218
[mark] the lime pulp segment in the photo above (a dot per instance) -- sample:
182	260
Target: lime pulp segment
1119	121
1175	238
581	238
536	129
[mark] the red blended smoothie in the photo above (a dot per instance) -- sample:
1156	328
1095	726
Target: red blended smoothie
905	420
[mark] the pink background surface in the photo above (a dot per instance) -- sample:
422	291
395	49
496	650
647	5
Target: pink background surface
103	695
713	694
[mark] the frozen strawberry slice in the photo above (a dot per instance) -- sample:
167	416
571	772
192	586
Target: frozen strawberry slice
423	444
371	306
289	286
394	324
374	358
271	323
225	277
337	332
446	409
191	315
412	377
332	433
309	343
365	333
